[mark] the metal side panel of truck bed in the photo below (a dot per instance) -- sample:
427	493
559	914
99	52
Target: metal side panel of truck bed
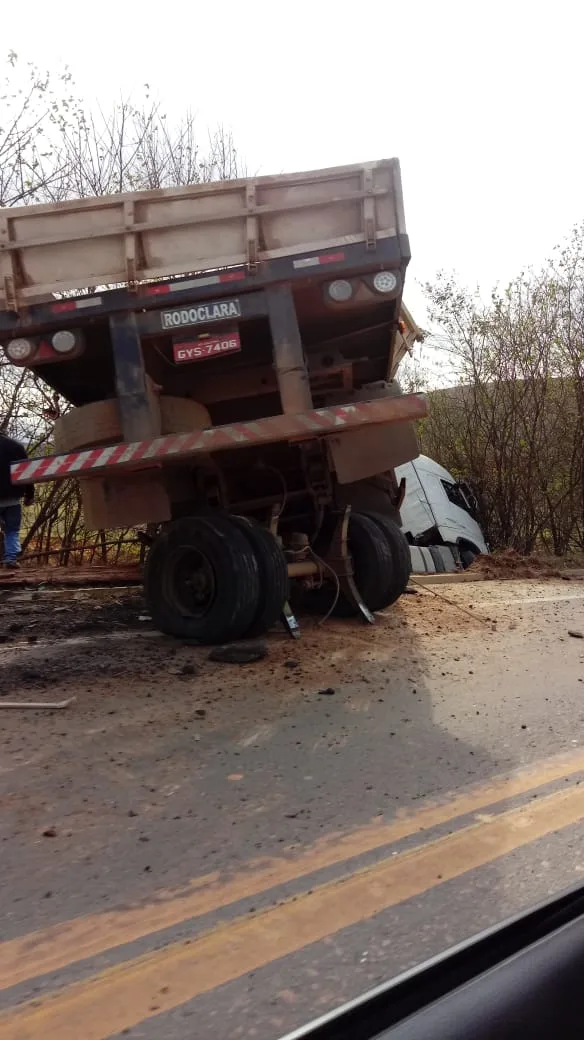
148	235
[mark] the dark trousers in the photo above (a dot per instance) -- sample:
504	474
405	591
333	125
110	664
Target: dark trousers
10	518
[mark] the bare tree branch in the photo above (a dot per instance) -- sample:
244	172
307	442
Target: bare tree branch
54	147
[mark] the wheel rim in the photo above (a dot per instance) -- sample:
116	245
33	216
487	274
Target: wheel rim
189	582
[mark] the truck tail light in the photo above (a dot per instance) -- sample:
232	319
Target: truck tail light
385	282
340	290
20	350
59	346
64	341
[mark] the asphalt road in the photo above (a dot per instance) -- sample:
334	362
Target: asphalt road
195	849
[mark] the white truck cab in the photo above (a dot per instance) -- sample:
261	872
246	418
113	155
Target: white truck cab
438	510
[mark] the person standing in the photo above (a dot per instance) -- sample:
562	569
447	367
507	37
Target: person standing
11	498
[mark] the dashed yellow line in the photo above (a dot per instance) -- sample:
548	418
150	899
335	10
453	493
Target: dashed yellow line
126	995
52	948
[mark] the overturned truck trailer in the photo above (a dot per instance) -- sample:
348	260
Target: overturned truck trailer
232	384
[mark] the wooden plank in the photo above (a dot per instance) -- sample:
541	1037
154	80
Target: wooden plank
452	578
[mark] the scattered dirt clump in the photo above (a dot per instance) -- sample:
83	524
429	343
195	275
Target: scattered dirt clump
511	564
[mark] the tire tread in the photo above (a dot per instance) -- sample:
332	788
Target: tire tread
237	576
400	553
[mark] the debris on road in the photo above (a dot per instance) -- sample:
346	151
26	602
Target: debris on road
96	574
511	564
239	653
92	612
328	692
575	633
184	670
457	606
35	705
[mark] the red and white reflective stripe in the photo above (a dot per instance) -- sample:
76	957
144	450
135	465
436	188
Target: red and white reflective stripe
218	438
195	283
316	261
76	305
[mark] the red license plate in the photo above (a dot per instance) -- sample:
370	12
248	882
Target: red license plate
207	347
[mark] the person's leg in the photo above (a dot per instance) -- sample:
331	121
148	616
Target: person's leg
11	518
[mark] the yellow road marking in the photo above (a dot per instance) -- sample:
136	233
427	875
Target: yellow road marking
132	992
56	946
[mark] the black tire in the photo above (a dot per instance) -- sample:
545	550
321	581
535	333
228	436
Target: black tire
273	572
400	555
467	556
201	580
372	565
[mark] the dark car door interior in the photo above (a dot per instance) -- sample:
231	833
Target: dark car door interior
523	980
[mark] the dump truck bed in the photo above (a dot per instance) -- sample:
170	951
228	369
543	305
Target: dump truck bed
145	236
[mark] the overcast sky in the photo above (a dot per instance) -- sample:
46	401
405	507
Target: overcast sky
480	101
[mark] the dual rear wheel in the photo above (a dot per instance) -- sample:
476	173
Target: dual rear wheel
380	556
217	578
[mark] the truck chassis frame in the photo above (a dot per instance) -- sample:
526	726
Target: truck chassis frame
134	314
